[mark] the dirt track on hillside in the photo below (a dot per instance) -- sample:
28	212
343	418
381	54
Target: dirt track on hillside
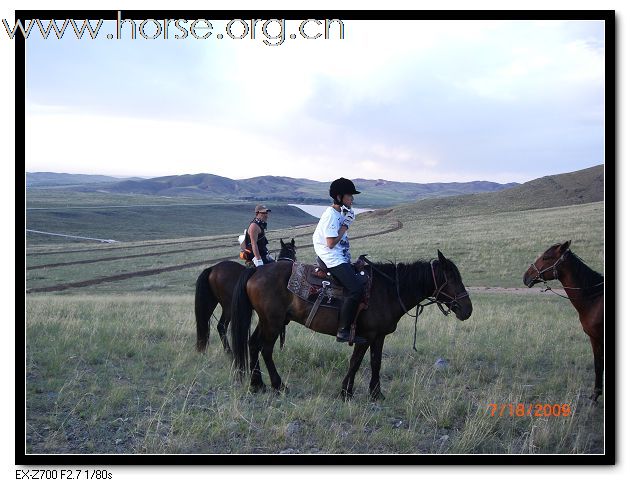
149	272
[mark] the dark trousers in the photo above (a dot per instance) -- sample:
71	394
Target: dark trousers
350	280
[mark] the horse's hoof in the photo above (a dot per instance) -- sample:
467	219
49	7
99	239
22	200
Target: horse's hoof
281	390
376	396
201	347
345	395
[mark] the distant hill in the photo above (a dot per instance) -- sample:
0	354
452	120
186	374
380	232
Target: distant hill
51	179
376	193
580	187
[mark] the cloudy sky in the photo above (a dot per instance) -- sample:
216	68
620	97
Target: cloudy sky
421	101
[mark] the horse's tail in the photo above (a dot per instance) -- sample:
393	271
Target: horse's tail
241	321
205	303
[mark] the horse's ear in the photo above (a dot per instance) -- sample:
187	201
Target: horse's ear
441	257
565	246
292	242
282	242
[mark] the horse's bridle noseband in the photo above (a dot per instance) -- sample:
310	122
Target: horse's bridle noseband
539	273
539	278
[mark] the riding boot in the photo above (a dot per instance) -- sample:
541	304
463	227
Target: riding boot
346	317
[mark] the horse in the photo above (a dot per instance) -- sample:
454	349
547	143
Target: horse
214	286
584	288
396	288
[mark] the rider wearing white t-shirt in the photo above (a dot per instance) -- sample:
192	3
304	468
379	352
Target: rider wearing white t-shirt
331	243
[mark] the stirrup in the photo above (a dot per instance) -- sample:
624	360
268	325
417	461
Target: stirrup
344	336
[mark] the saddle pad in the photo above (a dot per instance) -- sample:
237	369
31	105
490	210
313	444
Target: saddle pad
305	284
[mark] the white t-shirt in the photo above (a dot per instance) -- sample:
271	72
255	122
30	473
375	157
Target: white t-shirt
328	226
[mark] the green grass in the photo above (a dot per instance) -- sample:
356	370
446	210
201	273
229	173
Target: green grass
119	374
180	281
490	249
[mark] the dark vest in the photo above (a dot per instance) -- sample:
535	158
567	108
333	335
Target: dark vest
262	239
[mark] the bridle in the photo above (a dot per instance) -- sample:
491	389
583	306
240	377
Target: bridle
439	290
539	273
539	276
287	258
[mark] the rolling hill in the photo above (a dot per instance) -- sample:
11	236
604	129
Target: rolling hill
53	179
377	193
580	187
374	193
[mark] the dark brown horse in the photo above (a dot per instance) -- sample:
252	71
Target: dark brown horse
215	286
396	288
585	288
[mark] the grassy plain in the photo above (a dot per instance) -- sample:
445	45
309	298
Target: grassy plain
120	375
111	368
490	250
136	223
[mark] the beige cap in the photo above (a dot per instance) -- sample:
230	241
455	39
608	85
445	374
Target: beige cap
262	208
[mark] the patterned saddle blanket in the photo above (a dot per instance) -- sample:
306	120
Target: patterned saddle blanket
312	282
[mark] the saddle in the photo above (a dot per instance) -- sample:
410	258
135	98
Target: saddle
314	284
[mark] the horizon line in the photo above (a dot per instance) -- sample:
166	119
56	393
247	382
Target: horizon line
297	178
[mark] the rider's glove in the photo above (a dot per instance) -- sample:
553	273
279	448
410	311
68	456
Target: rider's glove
257	262
349	218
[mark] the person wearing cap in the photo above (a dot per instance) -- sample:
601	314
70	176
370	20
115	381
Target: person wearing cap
332	246
256	232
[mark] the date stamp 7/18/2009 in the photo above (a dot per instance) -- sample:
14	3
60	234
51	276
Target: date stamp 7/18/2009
536	410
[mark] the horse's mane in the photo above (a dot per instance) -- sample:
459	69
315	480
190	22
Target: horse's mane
410	275
588	279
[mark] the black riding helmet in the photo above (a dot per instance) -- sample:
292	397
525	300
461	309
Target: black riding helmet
341	187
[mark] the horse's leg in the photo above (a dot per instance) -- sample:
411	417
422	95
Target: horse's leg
355	363
222	327
376	355
268	342
598	360
256	382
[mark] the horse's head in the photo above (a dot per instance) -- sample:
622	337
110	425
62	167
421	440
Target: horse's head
449	288
546	266
288	250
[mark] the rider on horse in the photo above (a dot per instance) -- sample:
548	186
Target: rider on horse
333	249
256	232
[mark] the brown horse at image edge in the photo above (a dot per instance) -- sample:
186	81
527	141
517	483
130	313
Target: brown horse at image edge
585	288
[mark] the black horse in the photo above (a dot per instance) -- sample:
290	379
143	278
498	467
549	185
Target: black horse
396	288
215	286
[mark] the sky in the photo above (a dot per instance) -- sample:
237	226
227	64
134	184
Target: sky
417	101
